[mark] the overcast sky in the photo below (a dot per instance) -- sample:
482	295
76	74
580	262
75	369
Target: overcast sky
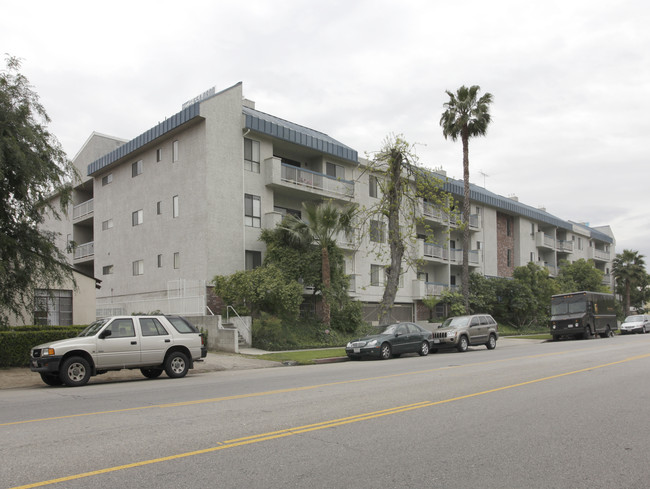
570	81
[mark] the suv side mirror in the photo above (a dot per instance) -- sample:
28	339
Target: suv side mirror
105	333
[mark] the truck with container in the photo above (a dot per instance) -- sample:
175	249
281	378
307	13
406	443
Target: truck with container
583	315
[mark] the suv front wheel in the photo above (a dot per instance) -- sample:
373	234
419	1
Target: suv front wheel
75	371
462	344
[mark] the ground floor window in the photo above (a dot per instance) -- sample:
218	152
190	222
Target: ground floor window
53	307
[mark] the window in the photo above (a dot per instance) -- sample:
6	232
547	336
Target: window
175	206
137	218
251	155
52	307
253	259
177	260
107	224
478	245
509	258
107	179
252	211
508	227
121	328
138	267
334	170
136	168
107	270
532	256
372	186
579	243
532	229
175	151
158	155
158	208
159	261
376	275
377	231
152	327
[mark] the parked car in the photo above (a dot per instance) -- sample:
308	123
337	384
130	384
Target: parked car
639	323
151	343
460	332
394	340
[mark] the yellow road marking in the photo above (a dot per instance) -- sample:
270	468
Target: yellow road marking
319	426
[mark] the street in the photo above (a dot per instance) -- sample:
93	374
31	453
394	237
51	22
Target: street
530	414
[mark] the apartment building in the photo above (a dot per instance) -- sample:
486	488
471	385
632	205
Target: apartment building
158	216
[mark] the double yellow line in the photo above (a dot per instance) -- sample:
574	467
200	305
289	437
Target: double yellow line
319	426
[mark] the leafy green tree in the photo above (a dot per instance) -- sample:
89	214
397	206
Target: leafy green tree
580	275
466	116
629	270
403	185
321	225
33	168
263	289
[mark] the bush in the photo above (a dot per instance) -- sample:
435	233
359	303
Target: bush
273	334
16	344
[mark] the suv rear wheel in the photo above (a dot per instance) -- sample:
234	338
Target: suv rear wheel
492	342
176	365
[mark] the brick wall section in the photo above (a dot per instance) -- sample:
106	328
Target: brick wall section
505	243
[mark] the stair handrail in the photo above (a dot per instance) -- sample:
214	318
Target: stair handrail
241	321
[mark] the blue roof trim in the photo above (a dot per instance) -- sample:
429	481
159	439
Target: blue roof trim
288	131
600	236
152	134
479	194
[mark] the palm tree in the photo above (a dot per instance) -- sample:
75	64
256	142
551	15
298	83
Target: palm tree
466	116
321	224
629	270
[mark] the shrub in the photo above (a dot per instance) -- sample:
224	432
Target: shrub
16	344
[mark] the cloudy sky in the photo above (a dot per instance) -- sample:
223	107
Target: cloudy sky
570	81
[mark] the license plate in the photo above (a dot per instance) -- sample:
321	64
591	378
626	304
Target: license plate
357	350
436	341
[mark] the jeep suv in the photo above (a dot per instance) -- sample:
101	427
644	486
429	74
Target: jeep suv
464	331
150	343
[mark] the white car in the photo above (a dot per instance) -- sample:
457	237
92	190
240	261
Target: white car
639	323
149	343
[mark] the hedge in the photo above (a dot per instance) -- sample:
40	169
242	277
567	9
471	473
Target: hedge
16	344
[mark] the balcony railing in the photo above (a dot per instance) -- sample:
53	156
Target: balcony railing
318	181
566	246
84	250
83	209
430	211
436	251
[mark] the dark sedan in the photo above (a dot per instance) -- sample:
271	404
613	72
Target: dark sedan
394	340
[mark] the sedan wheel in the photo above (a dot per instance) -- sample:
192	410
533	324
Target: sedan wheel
424	349
385	351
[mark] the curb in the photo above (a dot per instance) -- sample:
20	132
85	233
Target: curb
331	360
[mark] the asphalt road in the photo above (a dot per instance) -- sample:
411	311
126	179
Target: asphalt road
571	414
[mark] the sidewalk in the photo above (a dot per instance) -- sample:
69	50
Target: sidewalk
16	378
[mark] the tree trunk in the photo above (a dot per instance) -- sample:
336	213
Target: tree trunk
466	212
394	200
325	264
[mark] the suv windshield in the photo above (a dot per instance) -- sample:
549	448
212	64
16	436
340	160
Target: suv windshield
456	322
93	328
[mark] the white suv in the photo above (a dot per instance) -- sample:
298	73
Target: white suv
150	343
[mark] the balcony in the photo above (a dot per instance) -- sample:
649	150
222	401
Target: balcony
422	289
599	255
84	252
281	175
434	214
564	246
83	211
544	241
438	253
